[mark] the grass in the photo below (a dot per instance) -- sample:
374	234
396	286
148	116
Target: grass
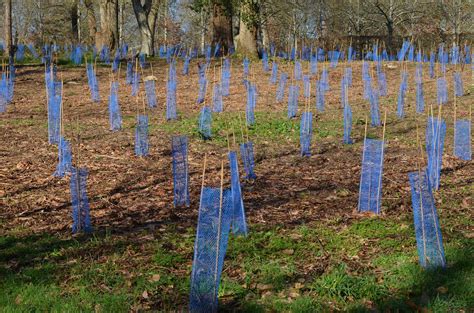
371	263
271	127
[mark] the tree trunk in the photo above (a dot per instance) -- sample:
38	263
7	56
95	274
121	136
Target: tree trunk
91	21
121	23
115	18
390	36
8	29
246	40
107	24
222	25
73	13
203	32
152	21
141	13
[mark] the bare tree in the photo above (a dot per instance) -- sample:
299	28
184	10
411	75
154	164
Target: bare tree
75	22
8	28
91	21
246	40
222	23
142	12
457	17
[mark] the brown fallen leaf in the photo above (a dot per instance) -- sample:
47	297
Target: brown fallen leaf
155	278
264	287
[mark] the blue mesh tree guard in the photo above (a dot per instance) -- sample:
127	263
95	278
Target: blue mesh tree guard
179	150
401	95
382	81
320	96
246	153
202	89
186	65
458	85
306	132
169	53
420	100
54	112
93	83
367	80
401	54
20	52
141	136
251	103
246	67
442	90
443	59
3	102
205	120
201	70
419	73
314	65
172	71
374	108
293	94
344	89
281	87
208	54
33	52
298	71
116	62
6	91
307	86
217	49
135	84
462	139
324	81
239	224
429	240
350	52
65	158
467	54
76	55
455	55
115	116
129	73
80	201
217	105
210	248
435	134
142	59
348	75
104	55
411	53
49	76
347	124
265	64
334	58
171	113
150	93
370	190
274	76
432	65
226	78
321	55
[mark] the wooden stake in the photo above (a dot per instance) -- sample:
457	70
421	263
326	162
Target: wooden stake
219	230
